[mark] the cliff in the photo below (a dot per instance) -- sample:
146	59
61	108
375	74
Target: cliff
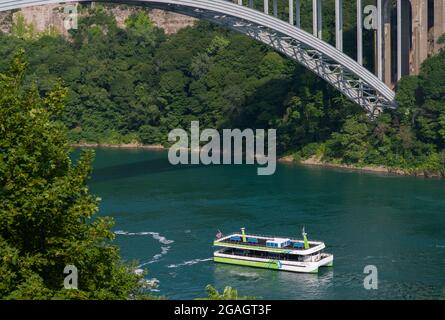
5	22
51	18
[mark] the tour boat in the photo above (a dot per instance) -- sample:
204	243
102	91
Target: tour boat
272	252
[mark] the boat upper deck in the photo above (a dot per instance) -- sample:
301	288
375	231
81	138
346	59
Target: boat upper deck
266	243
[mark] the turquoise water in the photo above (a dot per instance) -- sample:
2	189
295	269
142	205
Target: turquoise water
166	218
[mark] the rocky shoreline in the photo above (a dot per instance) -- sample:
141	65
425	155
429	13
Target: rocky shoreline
119	146
314	161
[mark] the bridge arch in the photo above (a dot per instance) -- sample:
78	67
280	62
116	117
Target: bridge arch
342	72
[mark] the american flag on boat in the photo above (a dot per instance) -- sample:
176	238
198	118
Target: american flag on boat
219	235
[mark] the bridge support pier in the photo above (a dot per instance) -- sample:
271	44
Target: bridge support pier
420	34
275	8
339	24
403	37
266	6
399	39
379	58
388	53
298	13
291	12
359	32
317	18
439	23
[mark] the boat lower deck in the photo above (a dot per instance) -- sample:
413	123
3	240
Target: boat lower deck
272	261
262	254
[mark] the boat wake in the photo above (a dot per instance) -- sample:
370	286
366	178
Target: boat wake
155	235
156	257
152	284
189	263
246	275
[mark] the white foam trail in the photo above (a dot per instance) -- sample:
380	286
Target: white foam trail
189	263
154	235
153	282
156	257
139	271
252	275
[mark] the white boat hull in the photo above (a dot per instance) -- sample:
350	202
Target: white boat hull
285	265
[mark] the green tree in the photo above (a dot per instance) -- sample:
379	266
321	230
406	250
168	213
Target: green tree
218	43
229	293
272	65
351	142
21	29
46	211
150	135
141	29
408	97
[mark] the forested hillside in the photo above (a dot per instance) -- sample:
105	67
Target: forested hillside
136	84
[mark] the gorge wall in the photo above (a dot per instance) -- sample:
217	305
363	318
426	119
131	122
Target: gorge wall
51	18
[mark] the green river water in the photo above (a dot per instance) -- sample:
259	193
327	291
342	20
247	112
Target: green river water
167	216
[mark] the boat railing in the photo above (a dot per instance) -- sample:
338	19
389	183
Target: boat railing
253	244
265	236
269	256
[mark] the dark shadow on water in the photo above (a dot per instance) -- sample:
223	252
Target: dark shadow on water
137	169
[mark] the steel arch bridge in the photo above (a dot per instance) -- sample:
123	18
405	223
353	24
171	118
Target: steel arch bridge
342	72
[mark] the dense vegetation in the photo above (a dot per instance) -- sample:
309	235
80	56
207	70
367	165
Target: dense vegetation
138	84
47	215
46	210
135	84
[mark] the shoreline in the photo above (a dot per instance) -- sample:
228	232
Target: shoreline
119	146
311	162
315	162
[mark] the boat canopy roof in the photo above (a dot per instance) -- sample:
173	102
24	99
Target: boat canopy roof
268	243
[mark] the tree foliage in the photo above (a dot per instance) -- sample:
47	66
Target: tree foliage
135	84
46	211
229	293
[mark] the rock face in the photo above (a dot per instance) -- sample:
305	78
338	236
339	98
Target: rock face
5	22
43	18
169	21
52	17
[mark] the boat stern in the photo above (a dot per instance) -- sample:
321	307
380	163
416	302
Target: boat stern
327	260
